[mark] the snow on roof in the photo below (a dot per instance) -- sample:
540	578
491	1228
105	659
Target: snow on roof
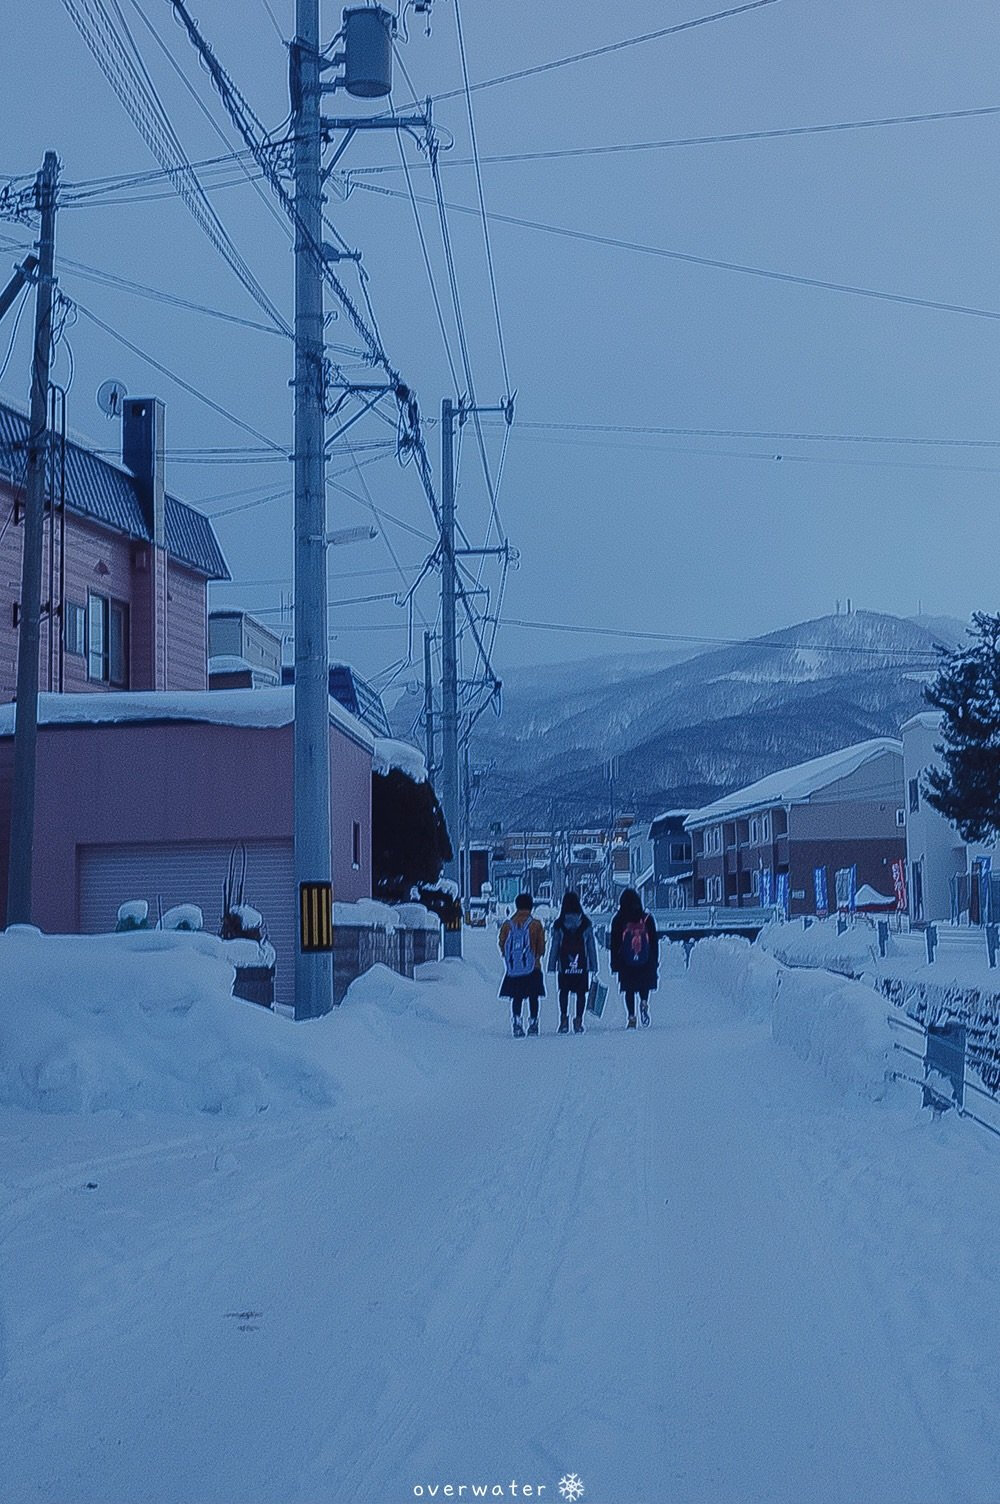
645	877
228	663
400	756
929	718
220	707
798	784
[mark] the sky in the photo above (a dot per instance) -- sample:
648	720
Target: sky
652	532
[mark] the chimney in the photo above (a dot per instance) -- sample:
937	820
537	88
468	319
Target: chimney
143	454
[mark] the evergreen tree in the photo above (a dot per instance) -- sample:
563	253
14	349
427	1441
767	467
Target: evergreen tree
966	790
410	842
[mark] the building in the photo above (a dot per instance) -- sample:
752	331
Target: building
673	872
356	694
834	813
242	652
148	796
945	873
126	566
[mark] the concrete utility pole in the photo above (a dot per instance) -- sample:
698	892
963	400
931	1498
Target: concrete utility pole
428	707
22	823
449	641
313	964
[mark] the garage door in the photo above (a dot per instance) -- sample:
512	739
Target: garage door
192	872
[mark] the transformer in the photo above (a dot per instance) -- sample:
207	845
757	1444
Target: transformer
367	56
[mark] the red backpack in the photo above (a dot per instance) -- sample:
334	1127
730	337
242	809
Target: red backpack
635	944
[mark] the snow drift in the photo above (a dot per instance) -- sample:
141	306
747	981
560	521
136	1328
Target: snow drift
144	1021
836	1025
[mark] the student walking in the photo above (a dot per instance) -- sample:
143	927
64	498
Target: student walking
635	955
573	957
522	945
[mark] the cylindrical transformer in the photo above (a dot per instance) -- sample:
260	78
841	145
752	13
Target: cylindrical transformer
368	51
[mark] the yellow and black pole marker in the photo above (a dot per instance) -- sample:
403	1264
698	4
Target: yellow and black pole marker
315	916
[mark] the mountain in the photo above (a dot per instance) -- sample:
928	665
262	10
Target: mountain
686	732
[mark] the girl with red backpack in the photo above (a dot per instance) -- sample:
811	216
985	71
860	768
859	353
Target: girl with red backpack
635	955
573	957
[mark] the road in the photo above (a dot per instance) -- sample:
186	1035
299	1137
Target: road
670	1262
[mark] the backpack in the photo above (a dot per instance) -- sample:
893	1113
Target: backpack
518	954
573	951
635	945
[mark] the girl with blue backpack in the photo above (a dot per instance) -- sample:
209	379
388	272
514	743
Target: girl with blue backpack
522	945
573	957
635	955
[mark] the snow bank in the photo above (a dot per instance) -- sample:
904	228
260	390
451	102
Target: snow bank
838	1026
399	756
851	953
366	914
142	1022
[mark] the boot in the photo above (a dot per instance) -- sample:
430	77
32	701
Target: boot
644	1014
563	1025
533	1026
518	1029
578	1026
631	1021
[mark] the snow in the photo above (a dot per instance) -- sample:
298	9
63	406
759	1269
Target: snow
142	1022
249	917
366	913
136	911
229	663
702	1262
401	756
220	707
794	785
183	916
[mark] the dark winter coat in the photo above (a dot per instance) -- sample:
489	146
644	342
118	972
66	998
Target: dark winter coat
559	929
631	978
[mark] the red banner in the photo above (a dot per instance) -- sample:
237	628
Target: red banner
899	884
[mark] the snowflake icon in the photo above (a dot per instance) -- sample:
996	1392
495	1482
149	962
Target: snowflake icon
571	1487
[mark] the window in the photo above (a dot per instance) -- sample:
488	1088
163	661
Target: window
901	817
754	831
914	795
75	628
713	841
755	883
680	851
765	827
356	846
107	641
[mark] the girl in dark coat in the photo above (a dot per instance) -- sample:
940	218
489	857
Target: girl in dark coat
635	954
573	957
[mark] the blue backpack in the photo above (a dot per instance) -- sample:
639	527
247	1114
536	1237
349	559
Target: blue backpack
518	954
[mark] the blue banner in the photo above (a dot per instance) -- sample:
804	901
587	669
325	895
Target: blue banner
819	884
766	888
985	865
847	888
783	893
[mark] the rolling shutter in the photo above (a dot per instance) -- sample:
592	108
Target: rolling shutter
192	872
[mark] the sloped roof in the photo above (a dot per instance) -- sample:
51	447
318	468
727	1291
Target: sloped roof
796	785
107	494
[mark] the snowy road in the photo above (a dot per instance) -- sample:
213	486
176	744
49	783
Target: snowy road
674	1263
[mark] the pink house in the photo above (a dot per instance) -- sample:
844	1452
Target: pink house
125	569
148	795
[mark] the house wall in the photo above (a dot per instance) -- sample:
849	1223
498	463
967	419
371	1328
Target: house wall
170	782
933	844
110	563
873	859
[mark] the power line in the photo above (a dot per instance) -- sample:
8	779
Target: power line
137	93
482	198
756	642
180	381
580	57
561	153
757	433
614	243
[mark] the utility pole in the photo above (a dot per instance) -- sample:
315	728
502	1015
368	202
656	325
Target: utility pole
314	956
22	823
428	707
449	642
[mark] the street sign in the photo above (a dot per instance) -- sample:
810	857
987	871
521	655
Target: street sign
315	917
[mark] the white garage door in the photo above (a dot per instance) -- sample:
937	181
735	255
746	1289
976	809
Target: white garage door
192	872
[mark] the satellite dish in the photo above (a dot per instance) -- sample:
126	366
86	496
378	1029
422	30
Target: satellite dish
111	398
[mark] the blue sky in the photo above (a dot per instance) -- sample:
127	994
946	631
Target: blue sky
658	532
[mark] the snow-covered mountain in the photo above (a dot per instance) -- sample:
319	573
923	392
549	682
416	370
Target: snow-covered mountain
688	731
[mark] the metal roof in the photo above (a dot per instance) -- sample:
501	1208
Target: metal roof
107	494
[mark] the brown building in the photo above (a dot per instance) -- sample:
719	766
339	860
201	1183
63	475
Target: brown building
125	568
832	813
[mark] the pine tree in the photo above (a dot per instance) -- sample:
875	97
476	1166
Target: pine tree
409	838
966	790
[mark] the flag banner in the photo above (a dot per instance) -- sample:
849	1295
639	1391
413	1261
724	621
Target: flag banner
766	888
782	893
985	865
819	884
899	884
